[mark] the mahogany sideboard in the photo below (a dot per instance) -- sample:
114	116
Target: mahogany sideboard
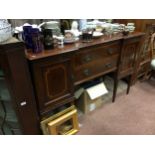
56	72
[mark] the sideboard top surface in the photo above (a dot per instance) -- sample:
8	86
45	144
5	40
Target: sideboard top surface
79	45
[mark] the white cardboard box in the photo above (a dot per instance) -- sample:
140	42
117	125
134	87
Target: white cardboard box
91	98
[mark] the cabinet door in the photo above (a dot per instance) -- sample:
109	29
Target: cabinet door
129	56
53	83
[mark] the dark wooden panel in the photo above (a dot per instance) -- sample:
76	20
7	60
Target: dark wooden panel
129	56
53	82
17	75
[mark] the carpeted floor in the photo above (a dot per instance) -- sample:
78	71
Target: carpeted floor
132	114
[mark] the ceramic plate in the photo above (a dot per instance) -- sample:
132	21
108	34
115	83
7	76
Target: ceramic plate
71	40
97	34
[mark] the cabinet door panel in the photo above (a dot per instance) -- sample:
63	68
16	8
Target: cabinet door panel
53	83
129	55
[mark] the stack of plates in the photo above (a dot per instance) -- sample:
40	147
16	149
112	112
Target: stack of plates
130	27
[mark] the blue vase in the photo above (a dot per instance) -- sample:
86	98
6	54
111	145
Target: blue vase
27	36
37	42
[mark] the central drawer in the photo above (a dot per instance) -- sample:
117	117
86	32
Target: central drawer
95	69
96	53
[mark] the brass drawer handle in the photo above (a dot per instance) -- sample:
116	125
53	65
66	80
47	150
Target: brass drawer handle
72	76
110	51
87	58
86	72
109	65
